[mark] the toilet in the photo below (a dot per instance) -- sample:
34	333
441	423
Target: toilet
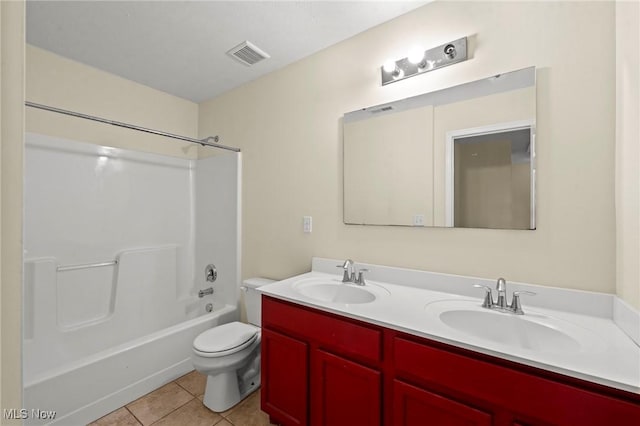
229	354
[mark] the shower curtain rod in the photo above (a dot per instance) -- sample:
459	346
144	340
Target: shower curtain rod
203	142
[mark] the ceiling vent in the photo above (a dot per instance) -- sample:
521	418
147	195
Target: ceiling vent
247	53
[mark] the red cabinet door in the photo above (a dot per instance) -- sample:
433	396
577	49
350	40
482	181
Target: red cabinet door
285	377
344	392
413	406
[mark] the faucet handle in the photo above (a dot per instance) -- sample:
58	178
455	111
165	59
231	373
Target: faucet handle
528	293
488	297
516	306
360	280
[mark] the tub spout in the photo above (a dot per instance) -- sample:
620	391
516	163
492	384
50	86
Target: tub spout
206	291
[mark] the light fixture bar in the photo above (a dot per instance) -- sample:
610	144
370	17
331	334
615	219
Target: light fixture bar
437	57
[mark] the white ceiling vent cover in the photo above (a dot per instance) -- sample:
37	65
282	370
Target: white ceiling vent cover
247	53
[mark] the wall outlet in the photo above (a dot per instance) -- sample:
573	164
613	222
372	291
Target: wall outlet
307	224
418	220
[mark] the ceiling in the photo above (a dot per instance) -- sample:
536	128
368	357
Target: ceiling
179	47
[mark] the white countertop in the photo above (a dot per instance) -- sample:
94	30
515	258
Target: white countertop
613	361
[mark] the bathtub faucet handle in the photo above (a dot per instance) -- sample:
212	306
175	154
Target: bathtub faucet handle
211	273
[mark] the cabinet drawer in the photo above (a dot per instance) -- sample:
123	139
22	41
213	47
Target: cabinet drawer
524	393
413	406
343	336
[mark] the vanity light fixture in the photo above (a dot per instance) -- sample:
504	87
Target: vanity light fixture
420	61
391	68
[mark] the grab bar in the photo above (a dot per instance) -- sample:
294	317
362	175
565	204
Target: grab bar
86	266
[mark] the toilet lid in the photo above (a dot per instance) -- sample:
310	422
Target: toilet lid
225	339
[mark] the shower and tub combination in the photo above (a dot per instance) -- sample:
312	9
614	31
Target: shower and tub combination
117	248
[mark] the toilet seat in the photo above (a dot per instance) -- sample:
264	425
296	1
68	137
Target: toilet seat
225	339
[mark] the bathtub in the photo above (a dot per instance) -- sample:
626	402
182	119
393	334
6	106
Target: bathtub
91	387
116	245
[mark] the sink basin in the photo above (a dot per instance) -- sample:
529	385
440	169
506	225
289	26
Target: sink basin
531	332
335	291
510	330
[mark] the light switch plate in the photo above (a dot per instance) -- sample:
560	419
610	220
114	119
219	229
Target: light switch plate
307	224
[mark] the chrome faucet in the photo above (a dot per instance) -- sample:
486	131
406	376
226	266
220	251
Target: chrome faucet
206	291
349	273
501	287
501	304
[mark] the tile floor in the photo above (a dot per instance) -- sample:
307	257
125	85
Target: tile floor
179	403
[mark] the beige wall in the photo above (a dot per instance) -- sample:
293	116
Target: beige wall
56	81
12	15
628	151
288	125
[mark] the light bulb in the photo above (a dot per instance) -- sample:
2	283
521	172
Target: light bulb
416	55
389	65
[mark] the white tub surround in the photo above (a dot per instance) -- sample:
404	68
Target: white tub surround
116	245
608	356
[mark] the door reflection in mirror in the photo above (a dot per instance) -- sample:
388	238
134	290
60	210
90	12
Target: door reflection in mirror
492	185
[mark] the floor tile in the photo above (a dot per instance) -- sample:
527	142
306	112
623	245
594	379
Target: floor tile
120	417
193	413
194	382
224	423
159	403
227	412
248	412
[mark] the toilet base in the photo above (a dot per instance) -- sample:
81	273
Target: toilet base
224	391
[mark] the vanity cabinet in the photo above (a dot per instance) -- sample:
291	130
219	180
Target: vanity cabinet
344	392
412	405
320	368
513	394
285	387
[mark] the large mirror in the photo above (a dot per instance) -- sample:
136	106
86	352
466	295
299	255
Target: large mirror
458	157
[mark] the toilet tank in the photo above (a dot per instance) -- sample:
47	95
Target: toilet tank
252	299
